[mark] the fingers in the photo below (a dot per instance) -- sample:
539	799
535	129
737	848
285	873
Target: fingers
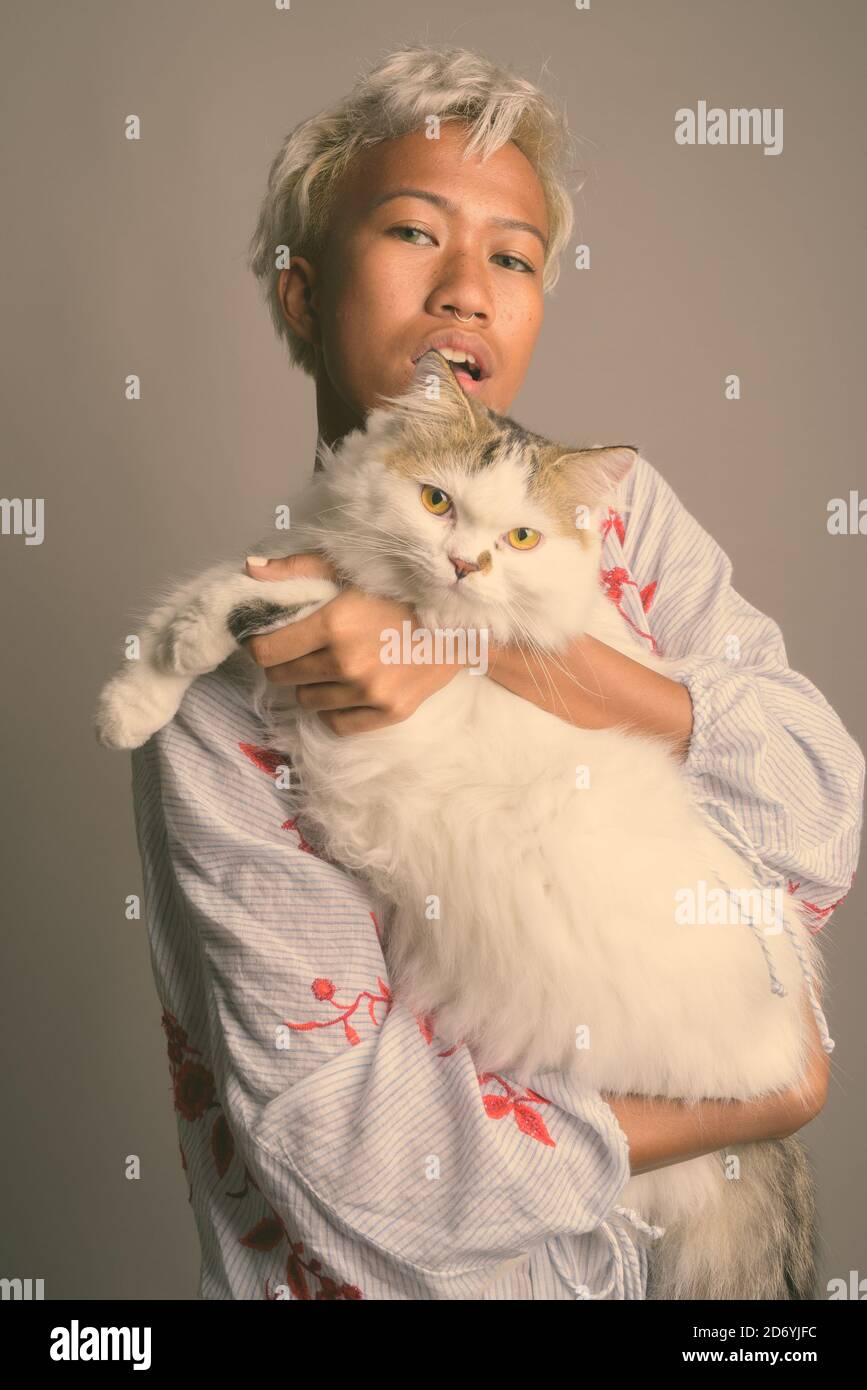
361	719
328	695
297	639
306	564
311	669
288	645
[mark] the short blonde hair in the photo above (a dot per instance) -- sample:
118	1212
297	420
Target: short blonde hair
394	97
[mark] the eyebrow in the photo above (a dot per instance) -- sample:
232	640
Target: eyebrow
513	223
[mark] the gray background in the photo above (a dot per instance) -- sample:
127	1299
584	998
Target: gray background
125	257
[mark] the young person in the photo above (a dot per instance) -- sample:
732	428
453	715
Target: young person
334	1147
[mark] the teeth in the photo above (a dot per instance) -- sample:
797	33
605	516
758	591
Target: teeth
453	355
459	357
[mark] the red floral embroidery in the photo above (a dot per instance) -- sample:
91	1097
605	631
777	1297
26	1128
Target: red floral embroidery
498	1106
527	1120
194	1094
292	824
813	912
647	595
424	1027
325	990
222	1145
614	520
249	1181
266	1235
295	1271
266	759
270	1232
269	761
193	1084
613	581
194	1090
177	1039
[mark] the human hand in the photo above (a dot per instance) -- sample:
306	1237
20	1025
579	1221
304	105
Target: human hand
334	656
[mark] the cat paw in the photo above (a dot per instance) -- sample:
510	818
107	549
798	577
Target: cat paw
129	712
191	646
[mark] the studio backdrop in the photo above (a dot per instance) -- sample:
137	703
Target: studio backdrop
709	309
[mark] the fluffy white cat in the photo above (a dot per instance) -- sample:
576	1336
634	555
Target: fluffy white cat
538	875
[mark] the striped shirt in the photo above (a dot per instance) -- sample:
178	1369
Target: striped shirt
334	1147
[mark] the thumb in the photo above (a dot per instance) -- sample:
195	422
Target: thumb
305	564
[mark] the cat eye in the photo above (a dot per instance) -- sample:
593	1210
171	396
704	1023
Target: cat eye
435	499
523	537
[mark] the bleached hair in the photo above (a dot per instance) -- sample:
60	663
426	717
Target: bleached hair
394	97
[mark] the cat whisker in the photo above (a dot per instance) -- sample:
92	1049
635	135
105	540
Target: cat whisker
403	543
526	639
372	542
547	660
570	675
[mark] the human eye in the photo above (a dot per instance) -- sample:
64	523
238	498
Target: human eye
519	261
407	227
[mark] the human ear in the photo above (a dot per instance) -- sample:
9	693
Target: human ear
298	296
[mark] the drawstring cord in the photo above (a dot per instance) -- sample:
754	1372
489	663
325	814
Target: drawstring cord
564	1261
828	1043
769	879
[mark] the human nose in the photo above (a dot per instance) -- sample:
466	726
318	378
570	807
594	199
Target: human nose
462	288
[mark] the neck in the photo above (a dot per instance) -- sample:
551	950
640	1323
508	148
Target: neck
335	417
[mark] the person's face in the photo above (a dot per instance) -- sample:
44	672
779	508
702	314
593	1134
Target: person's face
397	263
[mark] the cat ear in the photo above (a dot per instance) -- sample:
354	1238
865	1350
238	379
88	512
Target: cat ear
594	475
433	397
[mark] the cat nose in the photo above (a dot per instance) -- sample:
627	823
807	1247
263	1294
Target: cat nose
463	567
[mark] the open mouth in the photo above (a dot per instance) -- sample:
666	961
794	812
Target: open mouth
463	364
466	369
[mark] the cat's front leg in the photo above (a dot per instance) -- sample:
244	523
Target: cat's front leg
207	629
193	632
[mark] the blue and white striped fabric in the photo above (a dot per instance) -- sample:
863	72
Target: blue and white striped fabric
335	1148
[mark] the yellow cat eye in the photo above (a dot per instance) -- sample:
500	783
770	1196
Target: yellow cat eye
435	499
524	537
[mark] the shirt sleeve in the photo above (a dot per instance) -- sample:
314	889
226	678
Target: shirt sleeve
350	1114
769	757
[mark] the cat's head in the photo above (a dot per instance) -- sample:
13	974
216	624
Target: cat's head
473	520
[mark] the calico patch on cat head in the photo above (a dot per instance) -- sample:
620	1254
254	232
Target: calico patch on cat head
435	421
